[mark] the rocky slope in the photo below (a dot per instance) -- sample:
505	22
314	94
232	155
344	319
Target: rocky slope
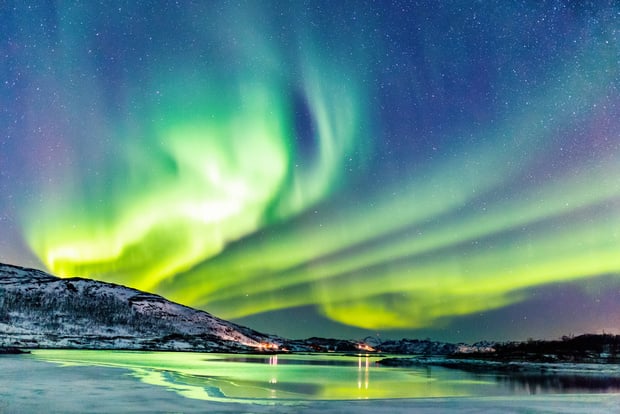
38	310
41	310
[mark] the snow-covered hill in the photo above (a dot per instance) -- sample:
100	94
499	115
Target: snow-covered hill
41	310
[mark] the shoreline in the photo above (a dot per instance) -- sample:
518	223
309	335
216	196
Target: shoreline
9	350
509	367
52	386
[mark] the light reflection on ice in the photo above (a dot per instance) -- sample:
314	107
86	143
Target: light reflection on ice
29	384
289	379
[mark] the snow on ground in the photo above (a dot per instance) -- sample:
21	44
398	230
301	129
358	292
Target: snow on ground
46	311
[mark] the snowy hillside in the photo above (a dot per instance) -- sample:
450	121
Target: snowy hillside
40	310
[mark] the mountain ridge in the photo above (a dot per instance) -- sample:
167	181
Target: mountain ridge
41	310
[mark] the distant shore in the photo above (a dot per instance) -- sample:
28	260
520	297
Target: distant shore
507	367
12	351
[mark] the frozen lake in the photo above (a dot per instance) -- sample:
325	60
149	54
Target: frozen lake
116	381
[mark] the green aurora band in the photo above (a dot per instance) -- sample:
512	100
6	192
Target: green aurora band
215	202
559	230
217	163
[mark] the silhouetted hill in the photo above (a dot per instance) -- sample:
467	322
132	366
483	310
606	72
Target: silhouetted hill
583	348
41	310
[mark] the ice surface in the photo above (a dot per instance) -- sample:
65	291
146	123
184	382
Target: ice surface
28	385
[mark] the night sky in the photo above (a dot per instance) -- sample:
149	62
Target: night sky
322	168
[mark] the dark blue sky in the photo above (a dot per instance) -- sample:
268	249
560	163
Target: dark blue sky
444	169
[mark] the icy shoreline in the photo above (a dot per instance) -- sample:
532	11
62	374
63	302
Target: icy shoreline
36	386
485	365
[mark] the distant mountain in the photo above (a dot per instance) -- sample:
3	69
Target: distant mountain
427	347
38	310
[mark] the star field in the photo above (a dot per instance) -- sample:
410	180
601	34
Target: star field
311	168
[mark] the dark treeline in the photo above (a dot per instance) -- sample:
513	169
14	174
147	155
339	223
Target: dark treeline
53	312
582	348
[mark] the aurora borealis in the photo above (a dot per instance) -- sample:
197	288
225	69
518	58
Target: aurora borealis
323	168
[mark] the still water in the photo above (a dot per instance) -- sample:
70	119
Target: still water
256	378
